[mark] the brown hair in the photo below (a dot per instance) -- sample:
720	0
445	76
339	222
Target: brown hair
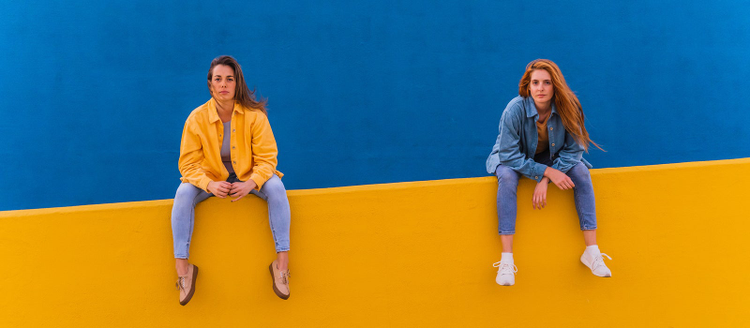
566	102
242	94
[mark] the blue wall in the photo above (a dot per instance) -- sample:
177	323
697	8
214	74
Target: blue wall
95	93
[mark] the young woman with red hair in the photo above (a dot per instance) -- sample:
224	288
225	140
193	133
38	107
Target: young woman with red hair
543	137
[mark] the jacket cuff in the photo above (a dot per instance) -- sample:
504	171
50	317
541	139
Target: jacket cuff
203	184
259	181
539	172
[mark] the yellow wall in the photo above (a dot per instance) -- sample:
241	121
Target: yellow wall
409	254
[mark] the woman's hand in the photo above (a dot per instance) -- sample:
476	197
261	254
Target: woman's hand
219	189
539	200
561	180
241	189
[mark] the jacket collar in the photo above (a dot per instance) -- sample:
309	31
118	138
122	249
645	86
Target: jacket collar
532	112
213	114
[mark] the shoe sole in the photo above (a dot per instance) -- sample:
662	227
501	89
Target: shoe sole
192	286
588	265
273	283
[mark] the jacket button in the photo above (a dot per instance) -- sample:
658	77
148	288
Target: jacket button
553	145
536	177
550	128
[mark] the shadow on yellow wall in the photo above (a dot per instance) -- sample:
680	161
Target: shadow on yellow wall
415	254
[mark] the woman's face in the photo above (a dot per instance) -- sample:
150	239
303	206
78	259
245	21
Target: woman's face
222	83
541	87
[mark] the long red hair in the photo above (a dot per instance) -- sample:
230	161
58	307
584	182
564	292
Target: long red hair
566	102
242	94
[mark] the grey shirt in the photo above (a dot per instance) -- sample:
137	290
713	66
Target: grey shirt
225	152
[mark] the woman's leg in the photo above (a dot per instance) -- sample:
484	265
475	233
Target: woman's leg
183	219
507	206
583	194
507	186
586	208
279	215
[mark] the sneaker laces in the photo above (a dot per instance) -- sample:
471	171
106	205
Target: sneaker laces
505	268
599	261
285	276
180	284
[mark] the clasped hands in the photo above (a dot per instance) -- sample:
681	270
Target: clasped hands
222	189
561	180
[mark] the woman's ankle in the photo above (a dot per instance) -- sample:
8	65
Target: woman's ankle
182	266
282	261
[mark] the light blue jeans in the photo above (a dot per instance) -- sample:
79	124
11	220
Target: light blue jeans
583	195
188	195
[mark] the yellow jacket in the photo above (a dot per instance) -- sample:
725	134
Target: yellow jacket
253	147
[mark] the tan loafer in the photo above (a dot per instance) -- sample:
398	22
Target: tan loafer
280	281
186	284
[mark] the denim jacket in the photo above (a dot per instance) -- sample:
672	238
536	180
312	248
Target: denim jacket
516	144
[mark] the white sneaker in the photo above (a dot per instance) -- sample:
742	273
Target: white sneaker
506	273
596	264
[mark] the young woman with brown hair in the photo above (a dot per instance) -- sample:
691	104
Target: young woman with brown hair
228	149
543	137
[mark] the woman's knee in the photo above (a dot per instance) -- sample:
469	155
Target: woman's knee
580	173
274	188
506	175
186	192
579	169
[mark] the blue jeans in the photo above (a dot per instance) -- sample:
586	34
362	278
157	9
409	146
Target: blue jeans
583	194
188	195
